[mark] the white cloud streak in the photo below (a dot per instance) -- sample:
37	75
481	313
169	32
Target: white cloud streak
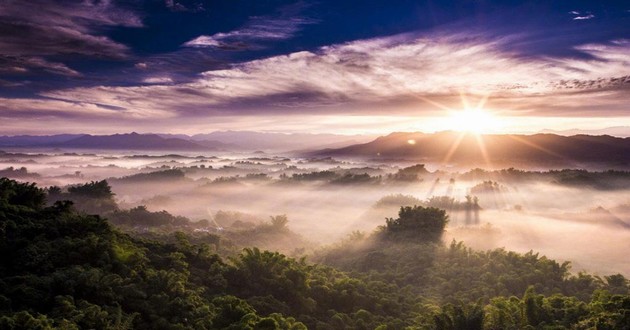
585	17
258	28
581	16
395	73
158	80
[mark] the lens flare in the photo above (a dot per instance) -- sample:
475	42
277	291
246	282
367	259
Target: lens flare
473	121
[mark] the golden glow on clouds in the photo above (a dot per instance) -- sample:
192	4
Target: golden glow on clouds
374	86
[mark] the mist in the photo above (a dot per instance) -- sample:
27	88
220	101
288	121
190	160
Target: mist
579	216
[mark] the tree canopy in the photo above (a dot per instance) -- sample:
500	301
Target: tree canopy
69	270
417	223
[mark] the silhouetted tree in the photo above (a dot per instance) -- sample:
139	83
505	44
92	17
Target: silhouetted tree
418	223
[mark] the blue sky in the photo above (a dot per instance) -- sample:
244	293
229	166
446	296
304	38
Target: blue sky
319	66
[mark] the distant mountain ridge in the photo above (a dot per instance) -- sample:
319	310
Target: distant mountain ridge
250	140
456	147
618	131
223	141
109	142
131	141
435	147
35	140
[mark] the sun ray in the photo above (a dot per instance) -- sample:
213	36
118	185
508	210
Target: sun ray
437	104
484	152
453	148
535	146
465	104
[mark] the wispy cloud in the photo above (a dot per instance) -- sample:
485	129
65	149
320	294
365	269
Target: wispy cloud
158	80
581	16
32	30
281	26
587	16
399	73
24	64
184	6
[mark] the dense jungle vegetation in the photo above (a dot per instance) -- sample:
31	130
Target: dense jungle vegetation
65	267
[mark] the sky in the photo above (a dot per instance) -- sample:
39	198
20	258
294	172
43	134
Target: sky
345	67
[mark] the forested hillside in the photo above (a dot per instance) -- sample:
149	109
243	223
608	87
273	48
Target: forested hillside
66	269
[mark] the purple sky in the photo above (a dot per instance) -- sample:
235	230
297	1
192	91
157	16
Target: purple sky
349	67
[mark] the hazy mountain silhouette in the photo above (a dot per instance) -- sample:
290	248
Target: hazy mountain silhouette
619	131
131	141
223	140
499	149
36	140
280	141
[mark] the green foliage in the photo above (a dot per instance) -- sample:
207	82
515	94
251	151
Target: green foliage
18	173
409	174
95	197
488	187
93	189
165	175
460	317
314	176
21	194
417	223
140	217
604	180
397	200
62	269
350	178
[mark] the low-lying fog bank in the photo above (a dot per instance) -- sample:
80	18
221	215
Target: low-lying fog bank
574	215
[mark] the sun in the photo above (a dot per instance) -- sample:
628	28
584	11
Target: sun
473	120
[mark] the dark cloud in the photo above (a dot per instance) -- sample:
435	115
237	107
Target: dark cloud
20	65
184	6
30	31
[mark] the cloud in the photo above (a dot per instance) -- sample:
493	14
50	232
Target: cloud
22	65
282	26
33	30
158	80
400	72
23	108
588	16
401	75
579	16
184	6
8	83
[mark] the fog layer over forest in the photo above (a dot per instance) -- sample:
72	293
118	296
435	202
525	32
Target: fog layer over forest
574	214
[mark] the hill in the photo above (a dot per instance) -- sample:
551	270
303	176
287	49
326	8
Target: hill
279	141
35	140
453	147
222	140
132	141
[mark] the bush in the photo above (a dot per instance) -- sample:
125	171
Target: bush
417	223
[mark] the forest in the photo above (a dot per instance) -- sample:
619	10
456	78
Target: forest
67	267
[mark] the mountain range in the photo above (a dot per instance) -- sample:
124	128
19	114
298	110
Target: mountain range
215	141
462	148
619	131
445	147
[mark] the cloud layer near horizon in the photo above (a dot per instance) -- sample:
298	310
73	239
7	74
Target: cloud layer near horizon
406	75
403	73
